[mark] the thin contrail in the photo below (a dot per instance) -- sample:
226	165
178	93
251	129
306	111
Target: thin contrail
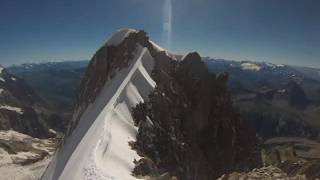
167	22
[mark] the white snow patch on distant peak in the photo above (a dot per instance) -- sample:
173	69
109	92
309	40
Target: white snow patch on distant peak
1	69
119	36
250	66
271	65
10	108
52	131
281	91
1	79
13	79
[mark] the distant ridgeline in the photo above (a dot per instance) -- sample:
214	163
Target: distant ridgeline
278	100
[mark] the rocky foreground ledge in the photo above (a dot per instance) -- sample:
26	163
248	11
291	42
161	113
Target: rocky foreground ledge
23	157
265	173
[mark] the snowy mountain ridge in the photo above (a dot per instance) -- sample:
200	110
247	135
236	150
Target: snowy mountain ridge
136	98
106	125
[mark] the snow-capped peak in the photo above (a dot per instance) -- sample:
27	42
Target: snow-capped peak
119	36
11	108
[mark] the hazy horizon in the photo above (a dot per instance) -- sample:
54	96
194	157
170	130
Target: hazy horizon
78	60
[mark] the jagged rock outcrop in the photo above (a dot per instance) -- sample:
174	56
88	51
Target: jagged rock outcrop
188	127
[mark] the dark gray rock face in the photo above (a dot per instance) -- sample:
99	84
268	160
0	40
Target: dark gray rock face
189	127
269	172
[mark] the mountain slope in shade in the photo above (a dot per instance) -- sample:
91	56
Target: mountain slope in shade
25	131
20	107
55	82
119	76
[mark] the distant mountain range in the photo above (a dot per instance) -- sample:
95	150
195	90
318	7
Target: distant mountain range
56	82
275	99
278	100
22	110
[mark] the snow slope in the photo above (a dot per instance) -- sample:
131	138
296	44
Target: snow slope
98	147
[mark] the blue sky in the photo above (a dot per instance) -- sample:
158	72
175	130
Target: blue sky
279	31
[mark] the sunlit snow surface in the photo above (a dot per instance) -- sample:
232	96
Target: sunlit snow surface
98	148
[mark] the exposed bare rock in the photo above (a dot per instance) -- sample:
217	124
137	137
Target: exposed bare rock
265	173
295	156
22	156
189	127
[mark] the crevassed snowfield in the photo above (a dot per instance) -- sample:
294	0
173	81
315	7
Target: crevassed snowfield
98	148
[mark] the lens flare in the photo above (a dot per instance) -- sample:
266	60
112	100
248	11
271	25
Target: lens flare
167	22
